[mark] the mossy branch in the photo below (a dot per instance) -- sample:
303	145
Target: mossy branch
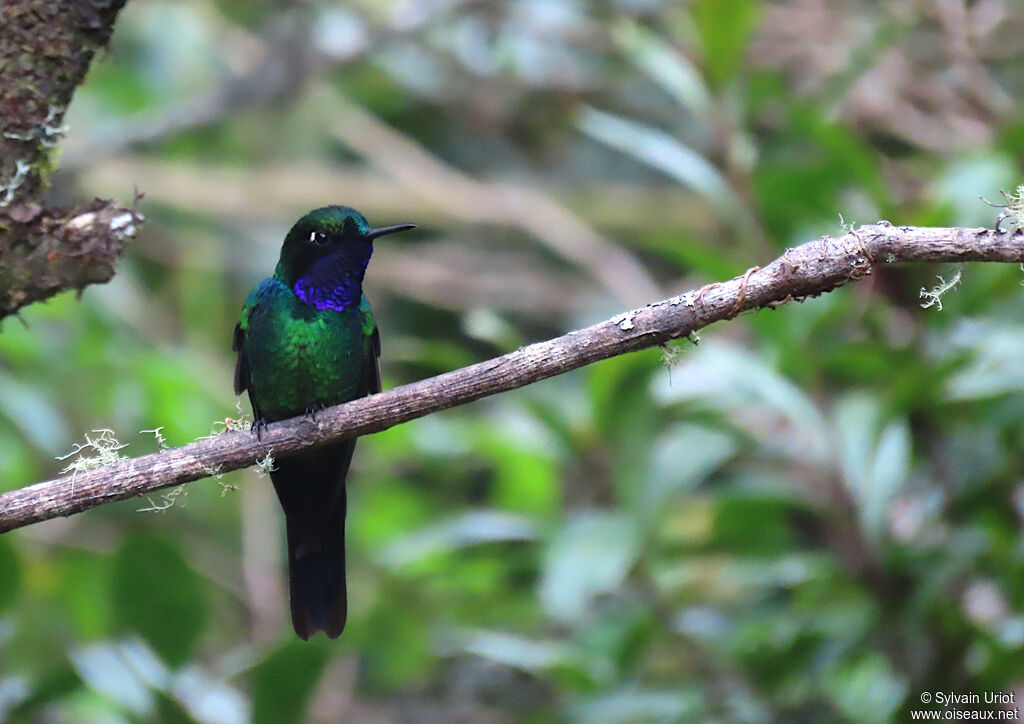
55	249
806	271
45	51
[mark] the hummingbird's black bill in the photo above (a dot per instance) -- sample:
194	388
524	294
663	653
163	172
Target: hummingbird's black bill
385	230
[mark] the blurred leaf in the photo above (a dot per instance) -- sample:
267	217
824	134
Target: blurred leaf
722	577
802	338
386	509
144	662
626	419
282	683
467	529
875	460
54	685
669	68
868	690
817	169
10	572
974	456
515	651
394	640
104	669
19	463
782	417
687	521
844	151
617	642
209	700
440	437
663	152
13	691
702	256
725	28
522	453
684	456
858	418
83	580
967	178
90	707
170	711
340	32
526	482
170	387
753	526
621	404
631	706
890	472
995	366
564	408
157	594
591	555
34	414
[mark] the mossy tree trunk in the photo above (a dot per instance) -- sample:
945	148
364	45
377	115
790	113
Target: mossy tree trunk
46	47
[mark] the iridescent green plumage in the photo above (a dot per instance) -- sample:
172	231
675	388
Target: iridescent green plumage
300	357
306	339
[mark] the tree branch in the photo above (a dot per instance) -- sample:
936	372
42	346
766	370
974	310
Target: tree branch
45	51
808	270
50	250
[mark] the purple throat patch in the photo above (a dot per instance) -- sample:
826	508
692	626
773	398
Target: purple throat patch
338	297
333	282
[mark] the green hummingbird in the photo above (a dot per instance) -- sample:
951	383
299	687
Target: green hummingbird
306	340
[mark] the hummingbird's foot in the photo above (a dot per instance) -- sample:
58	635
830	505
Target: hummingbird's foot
313	409
258	426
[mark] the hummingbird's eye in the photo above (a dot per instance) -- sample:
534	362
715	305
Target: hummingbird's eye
318	237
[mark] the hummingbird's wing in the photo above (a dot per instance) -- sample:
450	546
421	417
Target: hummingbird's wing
371	367
243	379
241	361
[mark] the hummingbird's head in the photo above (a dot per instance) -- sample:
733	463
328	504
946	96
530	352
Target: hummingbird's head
324	256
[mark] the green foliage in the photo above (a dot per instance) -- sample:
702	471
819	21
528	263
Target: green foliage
10	573
819	162
725	28
155	593
813	515
283	682
590	555
85	592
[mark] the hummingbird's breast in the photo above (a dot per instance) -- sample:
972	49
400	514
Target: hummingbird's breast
301	356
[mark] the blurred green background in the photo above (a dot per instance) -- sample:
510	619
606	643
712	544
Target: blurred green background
812	516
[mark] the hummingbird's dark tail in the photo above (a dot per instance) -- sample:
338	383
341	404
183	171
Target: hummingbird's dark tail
311	488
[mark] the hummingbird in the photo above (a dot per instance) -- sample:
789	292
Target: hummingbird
306	339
